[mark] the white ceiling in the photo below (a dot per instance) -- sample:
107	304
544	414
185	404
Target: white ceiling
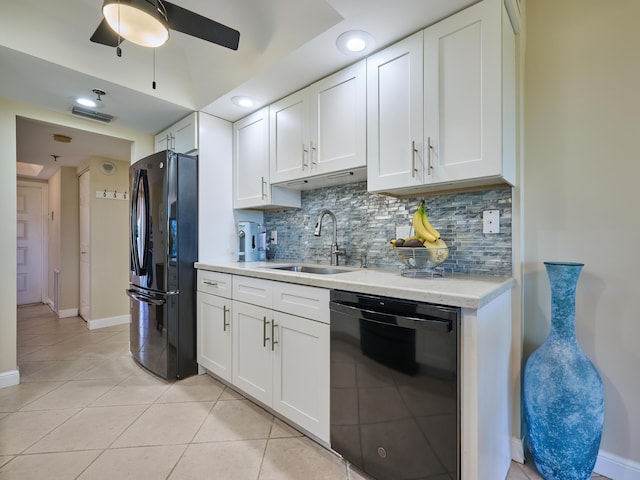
46	59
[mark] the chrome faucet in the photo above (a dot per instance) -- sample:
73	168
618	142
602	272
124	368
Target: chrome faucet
334	244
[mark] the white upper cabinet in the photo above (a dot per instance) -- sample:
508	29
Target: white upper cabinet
463	96
395	115
466	99
182	137
251	185
338	130
320	129
251	160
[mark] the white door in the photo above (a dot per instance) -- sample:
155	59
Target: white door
338	121
301	372
289	138
85	244
214	334
251	332
30	243
251	157
463	95
395	103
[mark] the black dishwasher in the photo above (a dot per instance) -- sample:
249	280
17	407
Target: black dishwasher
395	390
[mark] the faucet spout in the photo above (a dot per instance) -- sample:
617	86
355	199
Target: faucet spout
334	244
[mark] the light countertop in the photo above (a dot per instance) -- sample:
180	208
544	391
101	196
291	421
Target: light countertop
455	290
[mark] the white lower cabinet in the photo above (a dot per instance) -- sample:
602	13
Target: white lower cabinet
214	323
301	372
282	360
252	351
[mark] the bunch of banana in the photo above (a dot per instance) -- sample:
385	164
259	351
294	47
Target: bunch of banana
426	236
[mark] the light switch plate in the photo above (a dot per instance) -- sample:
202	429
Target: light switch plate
274	237
403	232
491	221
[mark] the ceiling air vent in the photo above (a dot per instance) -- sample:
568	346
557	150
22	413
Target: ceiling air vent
88	113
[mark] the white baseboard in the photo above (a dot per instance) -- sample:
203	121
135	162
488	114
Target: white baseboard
72	312
108	321
517	450
9	379
616	467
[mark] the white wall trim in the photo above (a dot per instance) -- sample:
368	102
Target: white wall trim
613	466
108	321
71	312
517	449
9	379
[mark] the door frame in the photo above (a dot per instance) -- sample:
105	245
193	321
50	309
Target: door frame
44	187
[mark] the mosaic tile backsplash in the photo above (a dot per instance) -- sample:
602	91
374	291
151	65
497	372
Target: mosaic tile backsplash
368	221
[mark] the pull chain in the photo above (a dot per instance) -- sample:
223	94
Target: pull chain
153	83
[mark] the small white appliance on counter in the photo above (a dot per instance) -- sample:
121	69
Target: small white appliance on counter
248	241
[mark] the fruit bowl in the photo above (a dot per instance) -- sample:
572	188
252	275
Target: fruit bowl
421	260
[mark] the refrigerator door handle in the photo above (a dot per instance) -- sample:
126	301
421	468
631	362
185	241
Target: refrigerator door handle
139	297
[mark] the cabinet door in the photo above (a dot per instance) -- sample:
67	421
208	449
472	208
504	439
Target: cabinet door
301	372
395	116
163	141
252	351
251	160
214	334
289	134
186	134
463	95
338	121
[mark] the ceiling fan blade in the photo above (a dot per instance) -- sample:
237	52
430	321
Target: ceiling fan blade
105	35
191	23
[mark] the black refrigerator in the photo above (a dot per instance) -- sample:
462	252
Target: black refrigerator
164	246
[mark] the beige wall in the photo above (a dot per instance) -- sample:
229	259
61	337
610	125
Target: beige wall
64	237
581	195
109	242
142	145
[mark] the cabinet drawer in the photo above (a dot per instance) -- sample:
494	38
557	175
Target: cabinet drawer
253	290
214	283
300	300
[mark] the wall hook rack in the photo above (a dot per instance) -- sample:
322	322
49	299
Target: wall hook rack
111	195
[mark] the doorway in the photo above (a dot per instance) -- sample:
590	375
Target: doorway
31	241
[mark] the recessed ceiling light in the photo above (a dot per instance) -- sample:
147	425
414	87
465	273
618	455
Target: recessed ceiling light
245	102
355	42
85	102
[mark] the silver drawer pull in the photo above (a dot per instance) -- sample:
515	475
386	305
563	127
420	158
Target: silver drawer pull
264	332
210	283
273	335
225	324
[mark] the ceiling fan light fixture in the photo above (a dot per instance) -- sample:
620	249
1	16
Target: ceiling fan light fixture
142	22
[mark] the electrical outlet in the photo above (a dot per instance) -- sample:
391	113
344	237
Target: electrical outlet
491	221
274	238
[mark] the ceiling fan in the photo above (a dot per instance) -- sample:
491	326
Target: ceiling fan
147	23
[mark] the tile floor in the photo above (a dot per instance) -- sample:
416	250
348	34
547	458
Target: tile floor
85	410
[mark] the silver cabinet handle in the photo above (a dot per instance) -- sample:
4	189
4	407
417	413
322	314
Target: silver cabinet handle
264	332
429	164
264	184
273	335
210	283
305	152
225	324
414	150
314	154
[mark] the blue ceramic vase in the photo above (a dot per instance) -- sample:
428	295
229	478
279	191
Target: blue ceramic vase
563	393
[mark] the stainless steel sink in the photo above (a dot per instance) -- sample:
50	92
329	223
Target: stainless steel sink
311	269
